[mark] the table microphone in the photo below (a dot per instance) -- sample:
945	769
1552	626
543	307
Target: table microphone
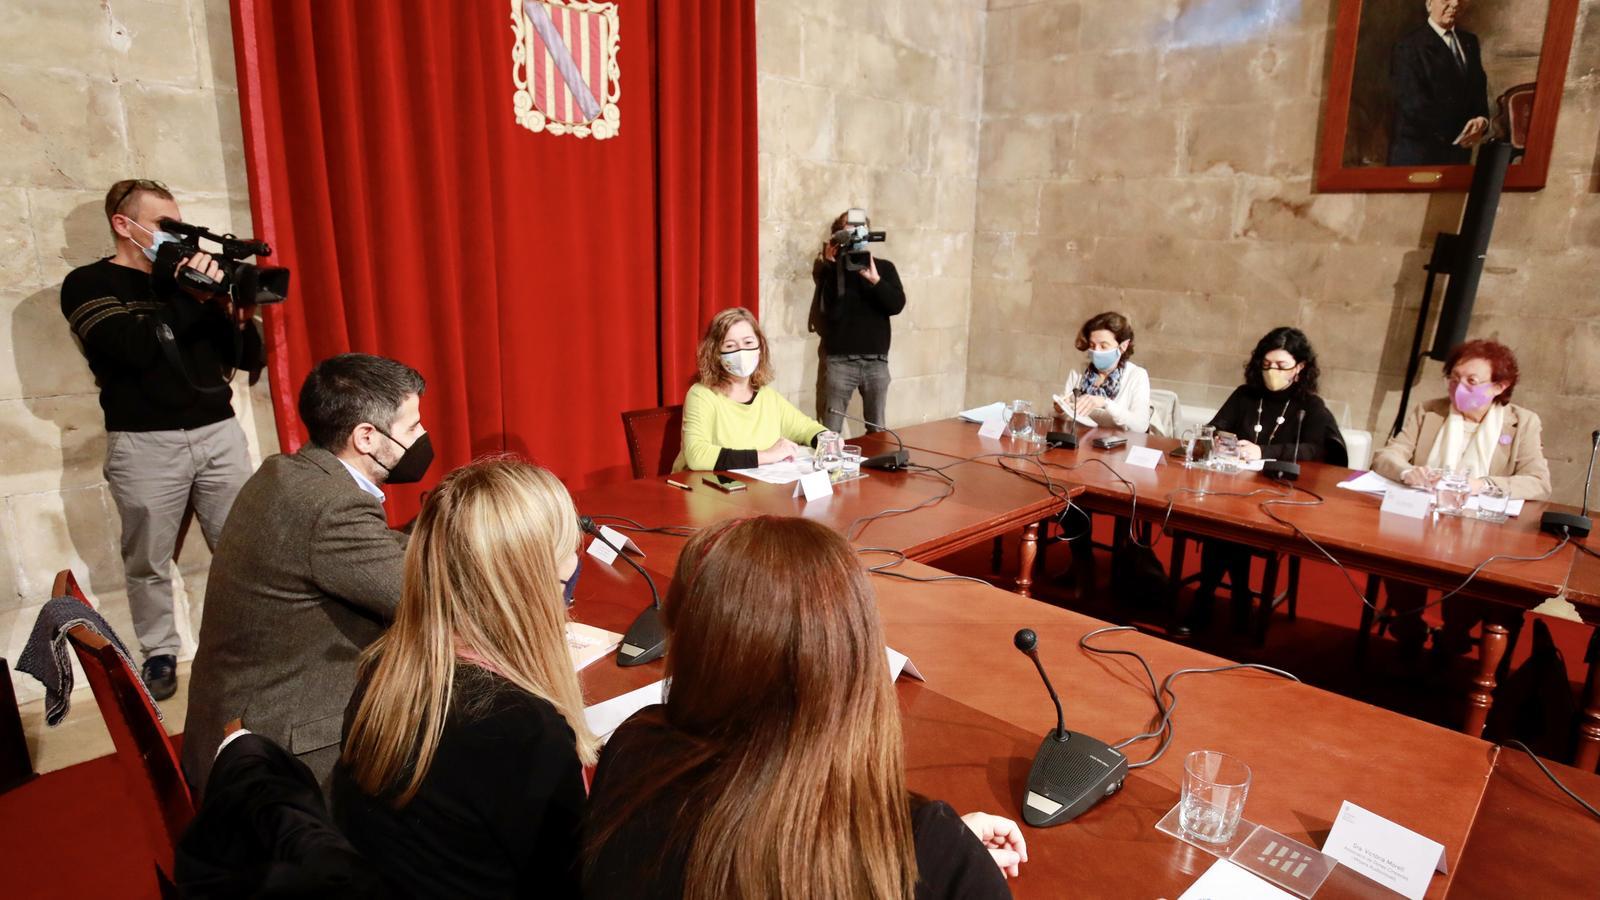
1067	440
1567	524
1072	771
646	639
899	459
1287	471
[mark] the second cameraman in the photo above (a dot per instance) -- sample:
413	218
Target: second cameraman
162	360
850	310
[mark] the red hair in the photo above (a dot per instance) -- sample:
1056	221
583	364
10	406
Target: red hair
1502	363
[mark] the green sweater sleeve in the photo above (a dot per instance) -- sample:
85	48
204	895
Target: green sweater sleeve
699	412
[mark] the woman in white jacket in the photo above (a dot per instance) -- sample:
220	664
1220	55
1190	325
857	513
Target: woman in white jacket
1113	392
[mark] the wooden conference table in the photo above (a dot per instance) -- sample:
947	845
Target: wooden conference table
972	729
1346	523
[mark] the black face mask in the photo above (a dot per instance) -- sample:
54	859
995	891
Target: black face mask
569	588
413	463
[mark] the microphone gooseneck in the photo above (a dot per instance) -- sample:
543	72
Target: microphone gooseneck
1299	423
1589	477
1028	642
587	525
899	459
646	638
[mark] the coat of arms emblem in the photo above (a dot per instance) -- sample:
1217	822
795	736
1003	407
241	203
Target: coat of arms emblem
564	66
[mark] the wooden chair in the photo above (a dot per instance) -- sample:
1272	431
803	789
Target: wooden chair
149	762
1264	599
654	438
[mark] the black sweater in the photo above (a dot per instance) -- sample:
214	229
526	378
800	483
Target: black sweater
851	313
1319	433
114	313
642	862
499	811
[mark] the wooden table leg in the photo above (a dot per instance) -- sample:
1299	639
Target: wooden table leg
1029	552
1481	697
1589	724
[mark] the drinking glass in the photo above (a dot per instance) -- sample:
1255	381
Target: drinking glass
1204	443
1021	418
1493	501
1042	424
1225	452
1189	437
850	461
1450	493
830	449
1212	796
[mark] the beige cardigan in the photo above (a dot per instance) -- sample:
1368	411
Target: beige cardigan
1518	466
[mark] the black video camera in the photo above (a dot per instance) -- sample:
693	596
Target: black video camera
852	240
247	284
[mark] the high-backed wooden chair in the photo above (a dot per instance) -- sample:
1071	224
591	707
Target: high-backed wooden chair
149	762
654	438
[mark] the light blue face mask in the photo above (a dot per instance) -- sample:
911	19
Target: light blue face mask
1105	360
157	238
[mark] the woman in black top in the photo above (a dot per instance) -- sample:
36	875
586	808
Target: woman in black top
1276	414
464	743
775	768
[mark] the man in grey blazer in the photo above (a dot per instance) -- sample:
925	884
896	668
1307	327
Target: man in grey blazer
307	572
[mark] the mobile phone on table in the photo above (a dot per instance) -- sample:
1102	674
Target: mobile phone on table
1109	443
725	483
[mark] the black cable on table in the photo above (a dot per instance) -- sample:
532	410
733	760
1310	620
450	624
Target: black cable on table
900	557
1552	776
633	525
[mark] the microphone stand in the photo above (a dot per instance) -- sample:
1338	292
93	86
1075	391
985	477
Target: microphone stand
646	639
1566	524
1067	440
899	459
1287	471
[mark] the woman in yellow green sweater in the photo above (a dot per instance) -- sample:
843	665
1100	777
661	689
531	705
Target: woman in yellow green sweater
731	418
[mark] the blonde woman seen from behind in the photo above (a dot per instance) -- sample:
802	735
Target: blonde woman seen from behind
465	740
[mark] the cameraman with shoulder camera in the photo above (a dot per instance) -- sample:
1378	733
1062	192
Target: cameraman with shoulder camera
162	356
856	294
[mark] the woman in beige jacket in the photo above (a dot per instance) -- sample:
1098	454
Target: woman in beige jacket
1476	430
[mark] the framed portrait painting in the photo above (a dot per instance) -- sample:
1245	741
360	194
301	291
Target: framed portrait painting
1418	85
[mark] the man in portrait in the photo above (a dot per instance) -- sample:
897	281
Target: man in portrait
1440	91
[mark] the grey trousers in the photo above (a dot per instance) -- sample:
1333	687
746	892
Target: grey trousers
842	377
154	476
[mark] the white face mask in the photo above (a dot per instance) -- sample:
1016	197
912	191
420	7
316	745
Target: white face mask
741	363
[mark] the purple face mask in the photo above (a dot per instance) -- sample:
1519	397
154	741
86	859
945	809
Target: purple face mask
1474	398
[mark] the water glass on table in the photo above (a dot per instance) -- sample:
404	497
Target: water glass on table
1450	493
1021	424
1212	796
850	461
830	448
1493	501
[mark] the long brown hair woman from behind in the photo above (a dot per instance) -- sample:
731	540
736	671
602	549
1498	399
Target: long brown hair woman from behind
464	743
775	767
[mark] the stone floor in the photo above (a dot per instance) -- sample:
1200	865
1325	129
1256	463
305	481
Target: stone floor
82	735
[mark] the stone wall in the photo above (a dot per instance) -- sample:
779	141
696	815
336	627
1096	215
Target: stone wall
92	92
872	104
1156	157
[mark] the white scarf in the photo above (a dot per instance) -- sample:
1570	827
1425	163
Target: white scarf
1452	451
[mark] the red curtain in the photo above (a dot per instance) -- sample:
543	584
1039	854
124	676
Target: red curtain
541	283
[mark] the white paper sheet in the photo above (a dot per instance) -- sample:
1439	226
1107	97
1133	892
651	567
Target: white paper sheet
1226	881
979	414
606	716
1371	483
1513	506
779	472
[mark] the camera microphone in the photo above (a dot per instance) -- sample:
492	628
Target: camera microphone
646	639
1071	771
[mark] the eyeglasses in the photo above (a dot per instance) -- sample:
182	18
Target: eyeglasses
136	184
1268	366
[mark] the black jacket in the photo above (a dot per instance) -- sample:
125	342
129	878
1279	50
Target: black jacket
1434	98
1319	437
852	314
